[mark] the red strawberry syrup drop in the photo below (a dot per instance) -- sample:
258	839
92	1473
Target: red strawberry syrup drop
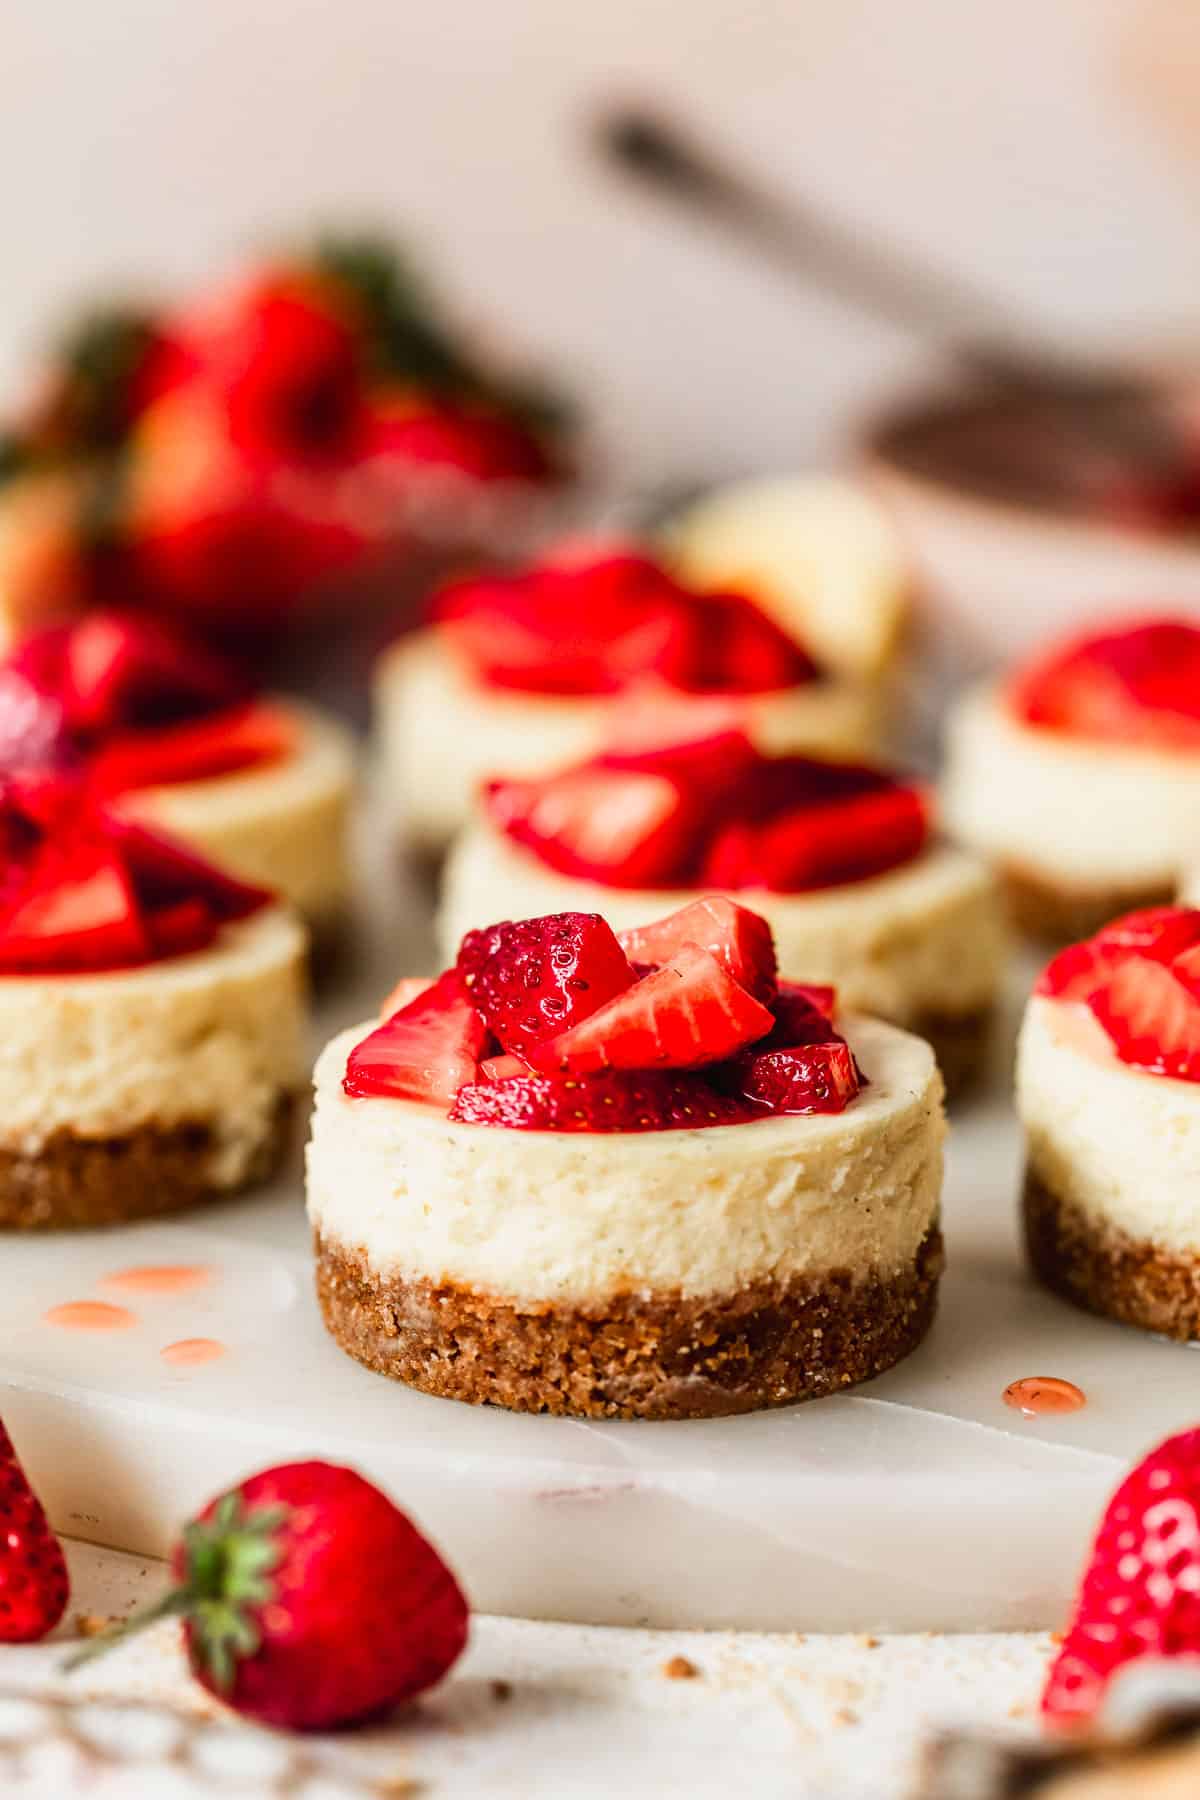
1035	1395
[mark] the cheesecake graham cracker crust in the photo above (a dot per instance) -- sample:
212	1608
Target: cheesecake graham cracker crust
1106	1271
665	1357
961	1043
75	1182
1061	915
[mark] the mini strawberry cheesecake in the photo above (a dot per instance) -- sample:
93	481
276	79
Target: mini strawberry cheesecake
624	1178
522	673
152	1018
839	858
1108	1089
1079	777
168	735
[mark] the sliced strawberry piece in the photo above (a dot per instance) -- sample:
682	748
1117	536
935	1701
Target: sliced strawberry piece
626	830
532	979
1151	1017
1079	971
78	911
797	1078
165	873
427	1051
122	669
739	939
720	768
823	846
1158	931
200	750
687	1013
408	988
615	1100
1138	681
803	1015
742	650
182	929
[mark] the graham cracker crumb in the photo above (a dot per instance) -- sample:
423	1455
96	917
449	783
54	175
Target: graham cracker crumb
501	1690
867	1642
90	1625
680	1668
845	1715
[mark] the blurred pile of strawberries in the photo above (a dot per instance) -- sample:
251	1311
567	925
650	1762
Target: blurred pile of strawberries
225	459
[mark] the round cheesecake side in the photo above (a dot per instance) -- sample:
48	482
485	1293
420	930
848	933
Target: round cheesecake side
636	1275
146	1090
441	733
1112	1179
1078	830
923	946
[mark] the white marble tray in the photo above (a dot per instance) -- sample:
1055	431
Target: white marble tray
919	1502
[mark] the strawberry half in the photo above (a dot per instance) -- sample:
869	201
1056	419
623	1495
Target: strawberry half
683	1015
615	1100
1152	1017
533	979
803	1014
1140	1594
739	939
426	1051
797	1078
34	1586
308	1600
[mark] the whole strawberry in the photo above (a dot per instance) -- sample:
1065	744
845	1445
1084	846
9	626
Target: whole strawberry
34	1588
1140	1594
309	1600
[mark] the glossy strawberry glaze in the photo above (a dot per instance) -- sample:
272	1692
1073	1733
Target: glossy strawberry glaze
190	1353
165	1278
597	625
714	814
90	1315
1036	1395
1136	683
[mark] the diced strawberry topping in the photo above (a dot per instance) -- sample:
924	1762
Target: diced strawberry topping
597	625
822	846
803	1015
619	829
426	1051
534	979
1136	682
683	1015
121	670
615	1100
246	737
1152	1018
84	891
798	1078
592	1041
1140	978
739	939
714	813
